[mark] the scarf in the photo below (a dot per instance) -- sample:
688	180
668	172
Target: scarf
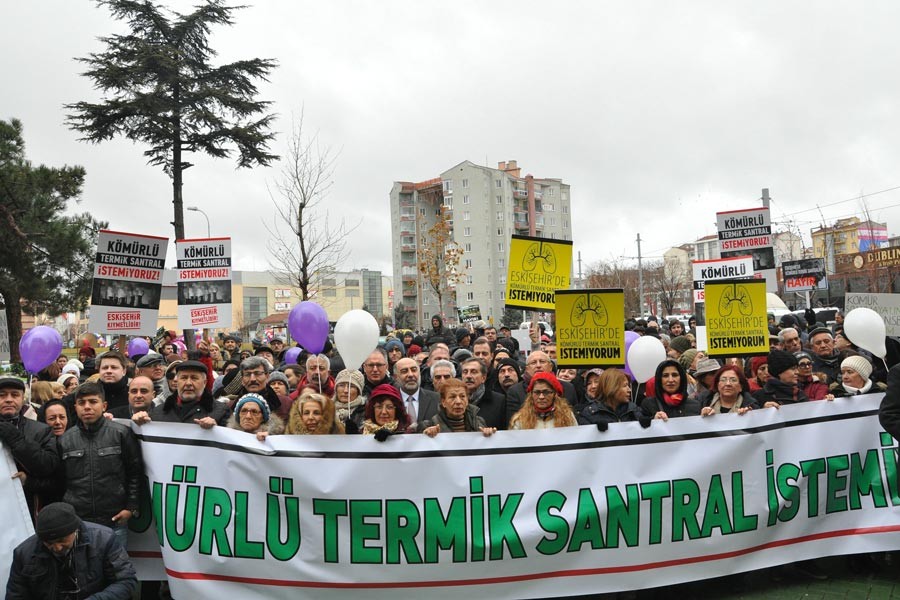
673	399
370	427
854	391
342	411
546	413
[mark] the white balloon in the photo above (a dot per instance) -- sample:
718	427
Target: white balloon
355	335
644	356
865	328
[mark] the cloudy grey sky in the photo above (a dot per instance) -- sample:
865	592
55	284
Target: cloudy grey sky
657	113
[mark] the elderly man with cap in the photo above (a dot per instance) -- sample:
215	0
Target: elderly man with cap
102	464
32	444
69	558
153	366
825	358
191	402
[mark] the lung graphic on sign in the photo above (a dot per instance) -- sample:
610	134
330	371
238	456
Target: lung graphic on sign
539	254
737	295
588	305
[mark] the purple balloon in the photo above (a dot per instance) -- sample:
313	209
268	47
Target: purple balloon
39	347
138	346
308	324
291	356
630	336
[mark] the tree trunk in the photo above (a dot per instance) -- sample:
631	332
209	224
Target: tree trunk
13	322
177	200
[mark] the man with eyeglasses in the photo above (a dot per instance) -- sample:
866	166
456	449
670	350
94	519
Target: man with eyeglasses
441	371
153	366
191	402
537	362
375	369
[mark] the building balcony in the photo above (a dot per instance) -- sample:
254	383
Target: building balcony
408	247
409	293
520	193
538	195
407	217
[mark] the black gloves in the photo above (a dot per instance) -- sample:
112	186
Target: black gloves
10	434
383	434
602	426
645	422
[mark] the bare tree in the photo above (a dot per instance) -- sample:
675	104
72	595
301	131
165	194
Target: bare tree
616	273
311	246
667	280
440	257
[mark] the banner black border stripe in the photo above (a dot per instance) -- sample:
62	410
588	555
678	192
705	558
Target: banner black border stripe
500	451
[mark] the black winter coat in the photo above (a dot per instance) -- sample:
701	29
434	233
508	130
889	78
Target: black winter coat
776	390
103	470
170	411
102	567
889	413
598	412
33	447
689	407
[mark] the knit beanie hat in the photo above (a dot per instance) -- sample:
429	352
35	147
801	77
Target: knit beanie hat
394	344
549	378
279	376
351	376
687	357
56	521
413	350
509	362
780	361
256	398
680	344
756	362
858	364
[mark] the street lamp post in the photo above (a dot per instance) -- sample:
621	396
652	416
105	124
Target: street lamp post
197	209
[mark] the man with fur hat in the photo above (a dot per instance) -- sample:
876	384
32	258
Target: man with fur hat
70	558
191	402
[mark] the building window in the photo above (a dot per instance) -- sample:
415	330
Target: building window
329	293
499	231
333	282
468	280
468	246
552	221
551	191
503	293
468	263
351	283
424	300
489	295
465	199
565	223
448	202
549	207
552	236
422	211
501	262
470	296
499	183
448	186
465	183
503	282
500	200
499	215
467	216
467	231
351	293
565	209
500	246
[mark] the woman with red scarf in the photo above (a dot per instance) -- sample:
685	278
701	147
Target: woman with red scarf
670	398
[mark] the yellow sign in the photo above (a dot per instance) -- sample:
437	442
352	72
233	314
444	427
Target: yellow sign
590	328
537	268
736	322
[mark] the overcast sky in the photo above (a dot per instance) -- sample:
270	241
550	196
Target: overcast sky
658	114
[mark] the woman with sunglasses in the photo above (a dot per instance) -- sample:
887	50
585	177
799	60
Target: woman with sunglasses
809	382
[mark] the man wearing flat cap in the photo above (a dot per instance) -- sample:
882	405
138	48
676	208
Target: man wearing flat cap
192	402
153	366
32	444
68	558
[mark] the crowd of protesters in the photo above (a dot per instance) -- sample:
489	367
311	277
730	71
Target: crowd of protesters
70	437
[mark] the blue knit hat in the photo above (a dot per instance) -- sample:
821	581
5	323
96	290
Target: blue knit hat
259	400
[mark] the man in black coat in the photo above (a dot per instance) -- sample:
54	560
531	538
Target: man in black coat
32	444
491	405
192	402
68	558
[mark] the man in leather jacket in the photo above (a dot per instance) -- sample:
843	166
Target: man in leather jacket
102	464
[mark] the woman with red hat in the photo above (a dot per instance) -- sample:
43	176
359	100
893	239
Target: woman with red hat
545	407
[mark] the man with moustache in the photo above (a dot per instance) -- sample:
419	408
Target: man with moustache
421	404
191	402
491	405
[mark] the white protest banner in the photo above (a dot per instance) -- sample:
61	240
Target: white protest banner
4	337
886	305
520	514
749	231
17	525
735	267
127	283
204	282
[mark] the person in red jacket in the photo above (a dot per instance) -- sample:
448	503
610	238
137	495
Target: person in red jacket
809	383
